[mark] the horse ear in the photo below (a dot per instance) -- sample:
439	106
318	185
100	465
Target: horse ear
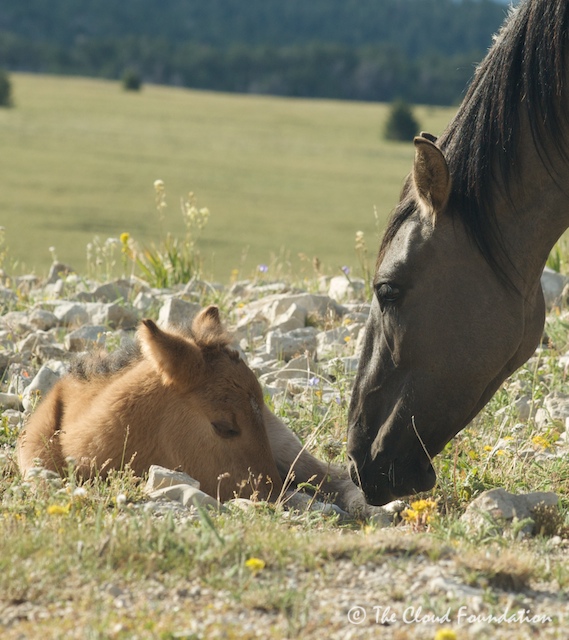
174	357
431	175
208	330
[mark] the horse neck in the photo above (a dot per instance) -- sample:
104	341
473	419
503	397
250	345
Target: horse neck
533	208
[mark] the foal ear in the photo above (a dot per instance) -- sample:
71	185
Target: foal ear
431	175
208	330
174	357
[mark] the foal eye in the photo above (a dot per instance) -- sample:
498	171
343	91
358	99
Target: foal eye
387	292
225	429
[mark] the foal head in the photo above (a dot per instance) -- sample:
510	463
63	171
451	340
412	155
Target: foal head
219	406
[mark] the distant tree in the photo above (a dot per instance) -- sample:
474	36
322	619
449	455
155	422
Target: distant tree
131	80
401	124
5	89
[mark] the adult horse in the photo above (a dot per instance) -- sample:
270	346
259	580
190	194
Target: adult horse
458	304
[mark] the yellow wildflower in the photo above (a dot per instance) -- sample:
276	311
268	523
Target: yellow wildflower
541	441
124	237
420	514
445	634
58	509
255	565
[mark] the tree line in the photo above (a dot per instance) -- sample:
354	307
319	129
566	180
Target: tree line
417	50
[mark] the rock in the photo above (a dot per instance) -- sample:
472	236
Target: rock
186	495
39	387
293	318
177	312
33	340
271	307
14	416
71	314
113	291
302	367
333	342
10	401
342	289
502	507
348	364
17	322
57	271
522	407
86	338
286	345
113	315
144	302
552	284
7	296
43	320
45	352
160	477
555	409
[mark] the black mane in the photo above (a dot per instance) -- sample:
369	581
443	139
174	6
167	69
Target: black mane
103	364
524	70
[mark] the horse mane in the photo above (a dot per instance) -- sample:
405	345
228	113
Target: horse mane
523	71
103	364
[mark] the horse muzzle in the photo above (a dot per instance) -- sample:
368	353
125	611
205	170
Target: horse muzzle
383	481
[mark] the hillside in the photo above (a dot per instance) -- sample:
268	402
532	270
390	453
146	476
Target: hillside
421	50
280	176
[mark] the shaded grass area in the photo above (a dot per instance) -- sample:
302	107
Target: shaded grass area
280	176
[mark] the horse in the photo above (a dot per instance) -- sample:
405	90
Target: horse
457	304
181	399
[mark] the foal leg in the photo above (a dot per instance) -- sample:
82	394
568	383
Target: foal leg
288	452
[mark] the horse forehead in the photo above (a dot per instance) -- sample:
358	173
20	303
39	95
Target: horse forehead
406	245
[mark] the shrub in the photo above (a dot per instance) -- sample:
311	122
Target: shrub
131	80
5	89
401	123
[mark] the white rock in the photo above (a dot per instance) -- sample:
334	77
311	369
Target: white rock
85	338
293	318
71	314
177	312
342	289
113	291
186	495
552	284
301	367
39	387
160	477
43	320
10	401
500	506
113	315
555	409
286	345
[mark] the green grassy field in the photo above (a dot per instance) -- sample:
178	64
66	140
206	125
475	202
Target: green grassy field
280	176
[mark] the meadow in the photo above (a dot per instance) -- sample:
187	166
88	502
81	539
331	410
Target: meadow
281	177
79	159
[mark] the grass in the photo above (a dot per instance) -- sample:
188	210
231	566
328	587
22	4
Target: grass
93	563
280	176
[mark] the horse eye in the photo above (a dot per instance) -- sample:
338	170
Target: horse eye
387	293
225	429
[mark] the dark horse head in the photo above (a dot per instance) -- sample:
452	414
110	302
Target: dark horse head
458	304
